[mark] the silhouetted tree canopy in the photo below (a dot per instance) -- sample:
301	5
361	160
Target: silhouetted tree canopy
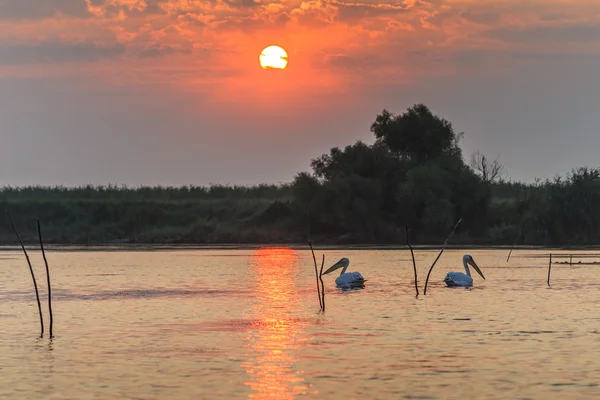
413	174
417	134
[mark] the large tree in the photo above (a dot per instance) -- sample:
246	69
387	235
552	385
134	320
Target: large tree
417	134
413	174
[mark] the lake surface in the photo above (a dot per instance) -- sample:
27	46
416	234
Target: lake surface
238	324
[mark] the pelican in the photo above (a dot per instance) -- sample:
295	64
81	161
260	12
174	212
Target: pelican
346	280
460	279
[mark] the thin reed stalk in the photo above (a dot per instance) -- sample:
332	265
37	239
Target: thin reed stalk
322	284
47	278
439	255
316	274
520	232
413	261
511	249
549	268
516	239
37	294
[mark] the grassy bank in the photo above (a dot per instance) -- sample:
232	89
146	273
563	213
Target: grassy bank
97	215
265	214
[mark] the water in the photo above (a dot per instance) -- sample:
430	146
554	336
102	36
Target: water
245	324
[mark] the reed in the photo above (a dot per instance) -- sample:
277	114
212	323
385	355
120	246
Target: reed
517	238
316	274
413	261
37	294
511	250
439	255
47	278
549	268
322	284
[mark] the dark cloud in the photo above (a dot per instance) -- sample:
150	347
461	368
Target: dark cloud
548	34
253	23
56	52
354	61
352	12
151	7
481	16
40	9
161	50
243	3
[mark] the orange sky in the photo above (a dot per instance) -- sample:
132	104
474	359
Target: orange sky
214	45
203	54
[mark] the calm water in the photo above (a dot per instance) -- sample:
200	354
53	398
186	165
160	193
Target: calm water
245	324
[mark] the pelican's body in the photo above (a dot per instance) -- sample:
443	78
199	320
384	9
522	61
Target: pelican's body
460	279
346	280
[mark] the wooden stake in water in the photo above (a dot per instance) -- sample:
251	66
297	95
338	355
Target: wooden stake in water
413	261
47	277
549	268
316	274
439	255
37	294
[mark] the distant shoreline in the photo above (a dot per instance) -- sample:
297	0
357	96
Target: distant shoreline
294	246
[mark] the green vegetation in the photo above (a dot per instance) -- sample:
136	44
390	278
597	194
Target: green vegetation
414	173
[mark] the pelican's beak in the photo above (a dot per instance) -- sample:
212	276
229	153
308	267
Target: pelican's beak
474	265
335	266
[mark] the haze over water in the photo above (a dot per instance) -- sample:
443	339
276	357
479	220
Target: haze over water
245	324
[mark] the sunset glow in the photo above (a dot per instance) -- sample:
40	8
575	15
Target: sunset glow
112	66
273	340
273	57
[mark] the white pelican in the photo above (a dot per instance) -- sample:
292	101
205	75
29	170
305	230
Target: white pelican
460	279
346	280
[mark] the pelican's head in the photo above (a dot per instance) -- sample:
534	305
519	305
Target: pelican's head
469	260
343	263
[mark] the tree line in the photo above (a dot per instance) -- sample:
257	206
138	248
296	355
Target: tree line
414	173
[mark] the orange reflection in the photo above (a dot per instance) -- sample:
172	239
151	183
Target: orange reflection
273	336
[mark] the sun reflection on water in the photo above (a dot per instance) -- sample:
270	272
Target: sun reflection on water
273	338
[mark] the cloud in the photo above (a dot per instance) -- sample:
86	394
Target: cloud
56	52
325	37
162	50
121	8
483	17
355	11
547	34
41	9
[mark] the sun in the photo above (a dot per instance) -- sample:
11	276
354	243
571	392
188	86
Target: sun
273	57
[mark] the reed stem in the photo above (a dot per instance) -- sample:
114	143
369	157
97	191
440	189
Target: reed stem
549	268
322	285
316	274
439	255
47	277
37	294
413	261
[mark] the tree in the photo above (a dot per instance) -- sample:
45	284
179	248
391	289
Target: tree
489	171
417	134
413	174
359	184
